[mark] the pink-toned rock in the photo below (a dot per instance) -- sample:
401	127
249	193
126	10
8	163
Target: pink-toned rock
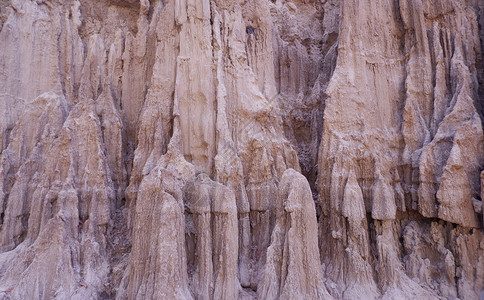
214	149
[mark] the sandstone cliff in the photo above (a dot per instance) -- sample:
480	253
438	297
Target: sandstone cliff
214	149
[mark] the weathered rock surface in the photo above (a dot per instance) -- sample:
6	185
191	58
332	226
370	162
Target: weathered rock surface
292	268
213	149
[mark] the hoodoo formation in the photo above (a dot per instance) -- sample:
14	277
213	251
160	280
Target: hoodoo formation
241	149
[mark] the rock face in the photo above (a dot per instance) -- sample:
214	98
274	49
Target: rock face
213	149
292	268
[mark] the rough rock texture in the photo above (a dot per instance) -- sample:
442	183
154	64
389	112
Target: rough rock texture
292	268
213	149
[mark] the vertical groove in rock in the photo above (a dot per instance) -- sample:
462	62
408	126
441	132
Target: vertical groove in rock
212	243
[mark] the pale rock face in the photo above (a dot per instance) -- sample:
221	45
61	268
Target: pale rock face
157	266
211	231
212	149
63	202
292	268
